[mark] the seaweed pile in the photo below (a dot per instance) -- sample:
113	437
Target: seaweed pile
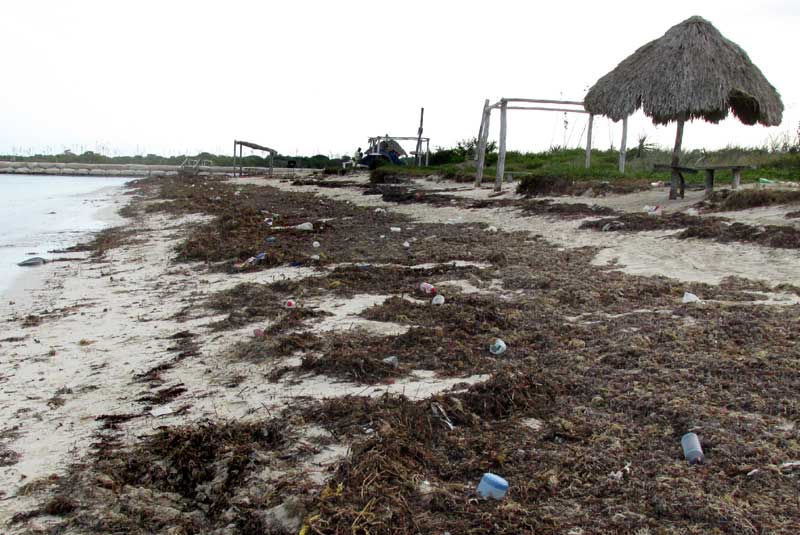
583	414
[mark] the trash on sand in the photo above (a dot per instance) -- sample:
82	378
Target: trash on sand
491	229
656	184
395	229
290	303
492	486
765	181
392	361
271	239
692	211
161	411
652	210
437	300
406	244
305	226
691	448
614	225
426	288
689	297
380	211
35	261
438	411
498	347
258	333
268	221
314	257
315	245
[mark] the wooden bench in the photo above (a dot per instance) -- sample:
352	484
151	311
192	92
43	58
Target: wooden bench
709	170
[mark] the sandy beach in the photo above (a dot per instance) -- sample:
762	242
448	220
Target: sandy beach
130	334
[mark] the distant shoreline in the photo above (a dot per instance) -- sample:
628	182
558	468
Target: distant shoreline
129	170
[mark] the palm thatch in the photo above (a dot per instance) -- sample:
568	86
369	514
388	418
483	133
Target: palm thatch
691	72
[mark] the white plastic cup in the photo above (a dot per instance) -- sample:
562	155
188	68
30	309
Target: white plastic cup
492	486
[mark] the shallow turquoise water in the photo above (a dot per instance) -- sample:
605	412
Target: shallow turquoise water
42	213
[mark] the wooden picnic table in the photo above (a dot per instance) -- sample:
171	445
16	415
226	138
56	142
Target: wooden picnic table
709	170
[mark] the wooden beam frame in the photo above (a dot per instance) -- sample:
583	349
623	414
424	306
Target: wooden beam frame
254	146
502	105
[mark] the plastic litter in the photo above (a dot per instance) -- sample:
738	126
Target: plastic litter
491	229
35	261
689	297
161	411
426	288
498	347
271	239
315	245
258	333
395	229
305	226
692	211
406	244
392	361
492	486
652	210
380	211
314	257
692	449
765	181
290	303
437	300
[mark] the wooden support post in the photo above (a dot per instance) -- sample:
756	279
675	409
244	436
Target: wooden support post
483	137
737	178
427	151
271	162
234	159
709	181
241	161
589	141
418	156
501	156
676	156
623	145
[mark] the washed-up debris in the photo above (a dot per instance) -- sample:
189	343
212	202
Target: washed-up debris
406	244
392	361
35	261
290	303
692	450
395	229
437	300
315	244
426	288
689	297
492	486
498	347
308	226
163	410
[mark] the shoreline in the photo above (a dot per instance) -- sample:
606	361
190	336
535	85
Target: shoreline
33	280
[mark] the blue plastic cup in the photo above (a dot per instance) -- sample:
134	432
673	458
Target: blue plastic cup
692	449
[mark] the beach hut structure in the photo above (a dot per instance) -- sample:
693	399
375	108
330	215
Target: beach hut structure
691	72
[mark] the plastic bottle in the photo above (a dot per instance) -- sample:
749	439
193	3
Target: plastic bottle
498	347
492	486
692	449
291	303
427	288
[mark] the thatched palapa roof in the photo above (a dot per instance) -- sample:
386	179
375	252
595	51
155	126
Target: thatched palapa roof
692	71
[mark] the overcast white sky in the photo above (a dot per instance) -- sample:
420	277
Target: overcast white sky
308	77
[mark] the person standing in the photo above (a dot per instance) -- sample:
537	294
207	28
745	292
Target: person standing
357	157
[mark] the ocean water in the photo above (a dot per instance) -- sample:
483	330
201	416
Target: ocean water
41	213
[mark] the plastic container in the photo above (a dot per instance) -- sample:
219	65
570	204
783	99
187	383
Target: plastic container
492	486
689	297
498	347
290	303
392	361
427	288
437	300
692	449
